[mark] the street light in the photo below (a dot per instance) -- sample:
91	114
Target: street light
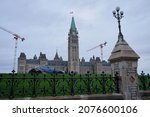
118	15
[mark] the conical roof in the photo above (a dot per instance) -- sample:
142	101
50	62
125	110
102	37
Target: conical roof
73	26
122	51
56	55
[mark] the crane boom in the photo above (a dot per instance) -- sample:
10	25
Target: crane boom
16	37
93	48
6	30
101	48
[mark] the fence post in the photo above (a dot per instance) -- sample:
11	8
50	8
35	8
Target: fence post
12	85
72	86
148	82
54	86
88	81
143	80
103	83
34	87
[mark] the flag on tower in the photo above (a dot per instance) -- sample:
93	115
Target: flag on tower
71	12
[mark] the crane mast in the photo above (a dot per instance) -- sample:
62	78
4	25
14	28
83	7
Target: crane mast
16	37
101	49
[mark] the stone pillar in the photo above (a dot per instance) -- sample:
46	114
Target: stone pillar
22	63
124	60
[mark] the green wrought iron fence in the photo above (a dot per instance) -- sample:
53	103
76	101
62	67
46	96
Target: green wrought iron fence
33	85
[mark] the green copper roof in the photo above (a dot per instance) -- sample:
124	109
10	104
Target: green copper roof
73	26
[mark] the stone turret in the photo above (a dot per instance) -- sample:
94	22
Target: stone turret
57	58
42	59
35	57
22	63
98	66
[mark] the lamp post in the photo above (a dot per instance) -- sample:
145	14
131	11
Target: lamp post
118	15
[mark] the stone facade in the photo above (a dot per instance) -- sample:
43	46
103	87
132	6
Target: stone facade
74	64
94	65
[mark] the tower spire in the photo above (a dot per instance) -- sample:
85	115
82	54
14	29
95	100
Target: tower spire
73	25
56	56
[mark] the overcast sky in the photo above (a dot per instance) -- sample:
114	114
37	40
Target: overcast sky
45	25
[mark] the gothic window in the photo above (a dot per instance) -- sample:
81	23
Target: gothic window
22	62
74	53
74	41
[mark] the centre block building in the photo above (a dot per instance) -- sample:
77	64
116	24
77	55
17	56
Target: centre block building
74	64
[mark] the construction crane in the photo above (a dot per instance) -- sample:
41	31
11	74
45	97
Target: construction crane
101	49
16	37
